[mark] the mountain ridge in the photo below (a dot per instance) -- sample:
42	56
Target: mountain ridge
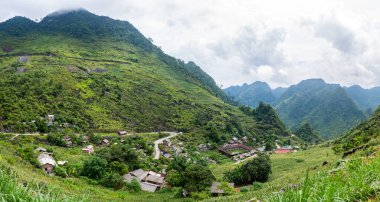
306	102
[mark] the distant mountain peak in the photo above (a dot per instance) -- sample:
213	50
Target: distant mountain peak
69	11
315	81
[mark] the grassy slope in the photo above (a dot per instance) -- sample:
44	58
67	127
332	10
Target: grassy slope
357	180
286	169
364	136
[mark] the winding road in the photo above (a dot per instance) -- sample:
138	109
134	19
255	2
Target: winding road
160	141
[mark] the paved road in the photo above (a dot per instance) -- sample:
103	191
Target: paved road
160	141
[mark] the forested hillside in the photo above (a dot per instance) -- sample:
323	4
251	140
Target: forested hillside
95	73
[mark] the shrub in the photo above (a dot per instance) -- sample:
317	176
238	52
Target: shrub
59	171
200	195
258	169
133	186
94	168
226	188
197	178
112	180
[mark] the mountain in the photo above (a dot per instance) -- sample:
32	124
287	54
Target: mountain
252	94
267	120
367	99
95	73
329	108
326	107
362	136
307	133
277	92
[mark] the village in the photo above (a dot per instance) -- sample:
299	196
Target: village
166	147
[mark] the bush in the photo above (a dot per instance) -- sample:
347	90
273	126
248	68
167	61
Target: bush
112	180
197	178
94	168
200	195
226	188
244	190
258	169
59	171
133	186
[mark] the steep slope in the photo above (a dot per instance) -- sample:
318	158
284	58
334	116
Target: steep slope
365	134
93	72
252	94
307	133
367	99
268	121
325	106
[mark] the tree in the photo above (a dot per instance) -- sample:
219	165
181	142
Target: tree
94	168
174	178
269	146
258	169
112	180
197	178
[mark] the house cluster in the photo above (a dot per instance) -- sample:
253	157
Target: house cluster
169	149
284	150
149	181
237	150
46	160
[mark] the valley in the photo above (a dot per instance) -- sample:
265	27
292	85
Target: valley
92	110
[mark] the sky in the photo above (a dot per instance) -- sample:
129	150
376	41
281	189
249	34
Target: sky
280	42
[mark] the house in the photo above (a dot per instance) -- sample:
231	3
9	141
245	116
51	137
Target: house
50	119
283	150
85	139
47	162
202	147
228	149
122	133
67	141
166	143
88	149
40	149
61	163
215	191
149	181
155	178
104	142
261	149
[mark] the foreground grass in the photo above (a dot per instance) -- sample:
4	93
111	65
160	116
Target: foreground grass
286	169
358	180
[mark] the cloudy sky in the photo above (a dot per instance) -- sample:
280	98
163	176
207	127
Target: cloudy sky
242	41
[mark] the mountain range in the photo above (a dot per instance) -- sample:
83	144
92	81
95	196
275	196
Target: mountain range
329	108
94	73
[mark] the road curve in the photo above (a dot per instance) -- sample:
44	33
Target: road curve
160	141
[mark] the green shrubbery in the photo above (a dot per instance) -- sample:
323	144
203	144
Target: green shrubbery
257	169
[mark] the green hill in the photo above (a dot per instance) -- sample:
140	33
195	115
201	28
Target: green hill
363	136
325	106
307	133
252	94
93	72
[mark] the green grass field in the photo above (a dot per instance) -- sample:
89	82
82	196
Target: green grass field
286	169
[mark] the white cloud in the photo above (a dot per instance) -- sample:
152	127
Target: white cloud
247	40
